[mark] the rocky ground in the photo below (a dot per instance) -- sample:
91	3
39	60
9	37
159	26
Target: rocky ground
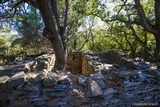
110	81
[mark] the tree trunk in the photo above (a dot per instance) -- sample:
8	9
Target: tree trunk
145	53
157	51
52	33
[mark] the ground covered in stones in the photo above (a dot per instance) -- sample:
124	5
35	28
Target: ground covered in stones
102	82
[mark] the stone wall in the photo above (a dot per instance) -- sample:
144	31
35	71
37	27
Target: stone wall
40	63
78	63
74	62
87	67
89	63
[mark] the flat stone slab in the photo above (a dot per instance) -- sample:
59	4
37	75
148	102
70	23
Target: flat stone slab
4	79
95	88
17	79
3	82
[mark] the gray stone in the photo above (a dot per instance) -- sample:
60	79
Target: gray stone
31	76
40	77
29	67
82	80
17	79
109	91
97	76
45	61
50	81
41	64
63	78
101	83
4	79
3	82
95	88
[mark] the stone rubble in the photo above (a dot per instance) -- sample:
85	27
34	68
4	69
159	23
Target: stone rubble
17	80
109	85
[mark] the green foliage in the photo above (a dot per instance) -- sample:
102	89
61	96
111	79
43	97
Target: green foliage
81	33
3	46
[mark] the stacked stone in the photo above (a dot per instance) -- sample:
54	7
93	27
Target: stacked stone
40	63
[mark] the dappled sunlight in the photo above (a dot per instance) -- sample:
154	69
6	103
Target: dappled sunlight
79	53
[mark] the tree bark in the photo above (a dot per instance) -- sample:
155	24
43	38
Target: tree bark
51	31
154	29
157	50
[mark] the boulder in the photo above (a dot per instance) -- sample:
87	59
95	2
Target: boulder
17	79
95	88
101	83
99	78
82	80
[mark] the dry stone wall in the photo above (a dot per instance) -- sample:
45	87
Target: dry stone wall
90	63
74	62
42	88
78	63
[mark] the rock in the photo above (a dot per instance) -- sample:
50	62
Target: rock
95	88
82	80
45	61
109	91
75	92
87	66
17	79
52	102
97	76
31	76
40	77
31	66
101	83
73	78
74	62
41	64
50	81
21	103
63	78
4	79
3	82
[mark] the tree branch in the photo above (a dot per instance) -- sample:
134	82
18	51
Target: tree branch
9	16
122	7
157	12
142	18
47	15
65	18
55	12
135	35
